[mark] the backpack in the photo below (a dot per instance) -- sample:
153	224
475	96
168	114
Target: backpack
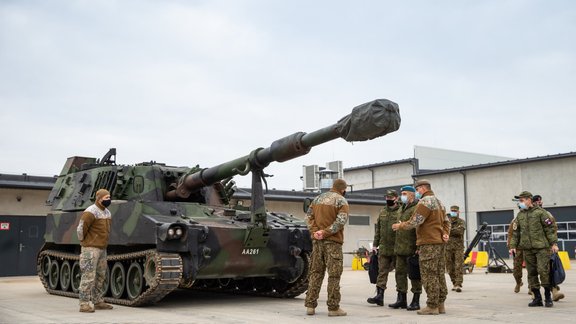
557	273
414	267
373	268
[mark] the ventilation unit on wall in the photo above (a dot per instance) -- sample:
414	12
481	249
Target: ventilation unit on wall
310	177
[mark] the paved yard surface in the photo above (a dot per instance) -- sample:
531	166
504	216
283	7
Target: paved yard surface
487	298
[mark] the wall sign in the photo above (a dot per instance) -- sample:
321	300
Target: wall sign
4	226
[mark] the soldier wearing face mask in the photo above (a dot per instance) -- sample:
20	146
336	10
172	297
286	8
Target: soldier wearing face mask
384	240
405	247
533	231
455	249
556	294
93	232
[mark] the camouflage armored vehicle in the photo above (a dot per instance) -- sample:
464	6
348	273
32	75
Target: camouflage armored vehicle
174	227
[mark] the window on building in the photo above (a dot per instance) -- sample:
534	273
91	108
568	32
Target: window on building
566	231
359	220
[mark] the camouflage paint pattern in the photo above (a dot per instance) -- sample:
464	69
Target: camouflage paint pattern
326	257
219	240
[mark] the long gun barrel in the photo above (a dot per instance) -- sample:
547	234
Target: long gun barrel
367	121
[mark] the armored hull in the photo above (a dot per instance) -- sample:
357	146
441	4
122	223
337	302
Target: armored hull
176	227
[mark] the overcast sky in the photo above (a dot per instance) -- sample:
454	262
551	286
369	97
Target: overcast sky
204	82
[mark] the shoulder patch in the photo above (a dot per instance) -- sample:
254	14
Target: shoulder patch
548	221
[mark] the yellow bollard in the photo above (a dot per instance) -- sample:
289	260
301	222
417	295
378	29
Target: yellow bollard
482	259
355	262
565	259
358	263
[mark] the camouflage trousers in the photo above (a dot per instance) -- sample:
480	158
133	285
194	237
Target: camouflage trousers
455	265
538	264
326	257
432	268
402	277
517	271
385	265
93	267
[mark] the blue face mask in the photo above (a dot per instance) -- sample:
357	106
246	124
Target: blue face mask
418	195
404	199
453	214
522	205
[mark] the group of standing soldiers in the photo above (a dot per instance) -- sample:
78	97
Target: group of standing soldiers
415	224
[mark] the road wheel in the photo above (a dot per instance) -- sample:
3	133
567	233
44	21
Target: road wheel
117	280
65	275
134	280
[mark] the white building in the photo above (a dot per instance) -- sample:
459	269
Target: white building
485	191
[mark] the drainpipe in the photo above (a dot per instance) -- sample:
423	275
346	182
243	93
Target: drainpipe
373	181
465	203
415	171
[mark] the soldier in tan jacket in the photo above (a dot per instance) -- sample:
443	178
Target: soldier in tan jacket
326	218
432	233
93	231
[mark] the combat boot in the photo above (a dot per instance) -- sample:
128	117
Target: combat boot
85	308
102	305
548	297
338	312
428	311
415	304
537	301
556	294
310	311
400	301
458	288
518	285
378	299
441	308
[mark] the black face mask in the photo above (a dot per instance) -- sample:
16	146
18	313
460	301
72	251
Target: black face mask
390	203
106	202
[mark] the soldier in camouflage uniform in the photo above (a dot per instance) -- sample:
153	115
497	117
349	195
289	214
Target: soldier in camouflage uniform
556	294
518	259
404	247
93	231
326	218
384	239
432	233
534	233
455	249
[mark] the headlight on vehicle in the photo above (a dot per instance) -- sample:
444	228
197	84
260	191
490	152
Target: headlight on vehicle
175	232
171	232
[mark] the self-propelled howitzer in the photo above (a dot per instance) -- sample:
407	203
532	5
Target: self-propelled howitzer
174	227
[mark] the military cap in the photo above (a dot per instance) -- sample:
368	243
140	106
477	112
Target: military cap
537	198
391	193
456	208
101	193
524	194
421	183
408	188
339	184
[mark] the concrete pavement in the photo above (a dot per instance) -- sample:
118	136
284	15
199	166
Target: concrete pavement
486	298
